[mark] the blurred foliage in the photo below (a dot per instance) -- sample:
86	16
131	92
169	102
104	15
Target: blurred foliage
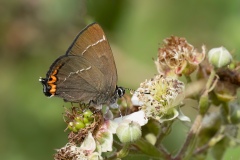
35	32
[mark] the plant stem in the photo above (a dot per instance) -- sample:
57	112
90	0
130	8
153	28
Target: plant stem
165	130
225	113
124	151
201	149
190	140
147	148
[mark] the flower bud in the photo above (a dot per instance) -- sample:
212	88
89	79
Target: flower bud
128	132
74	129
79	125
87	113
78	119
70	126
85	120
219	57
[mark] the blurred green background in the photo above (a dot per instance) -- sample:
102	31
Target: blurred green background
33	33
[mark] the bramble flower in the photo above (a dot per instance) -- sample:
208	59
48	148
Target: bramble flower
92	146
90	141
178	57
161	98
83	152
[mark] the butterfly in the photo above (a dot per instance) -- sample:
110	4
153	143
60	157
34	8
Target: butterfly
87	72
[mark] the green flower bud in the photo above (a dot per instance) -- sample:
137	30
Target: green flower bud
85	120
87	113
91	119
74	129
70	126
78	119
219	57
129	132
79	125
203	104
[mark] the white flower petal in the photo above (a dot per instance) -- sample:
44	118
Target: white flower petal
106	142
88	143
179	98
182	117
138	117
112	126
135	100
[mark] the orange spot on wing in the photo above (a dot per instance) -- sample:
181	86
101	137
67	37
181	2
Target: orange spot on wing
52	79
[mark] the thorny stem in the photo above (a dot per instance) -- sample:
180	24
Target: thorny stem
191	139
192	135
201	149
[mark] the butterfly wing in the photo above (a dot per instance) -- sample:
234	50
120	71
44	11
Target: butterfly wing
91	44
87	72
76	79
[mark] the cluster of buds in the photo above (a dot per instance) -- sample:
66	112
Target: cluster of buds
82	120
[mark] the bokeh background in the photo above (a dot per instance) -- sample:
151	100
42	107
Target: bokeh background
33	33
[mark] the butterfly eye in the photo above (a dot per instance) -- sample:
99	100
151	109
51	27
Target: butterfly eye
120	91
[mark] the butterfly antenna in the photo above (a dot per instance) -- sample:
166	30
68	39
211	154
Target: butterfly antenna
130	90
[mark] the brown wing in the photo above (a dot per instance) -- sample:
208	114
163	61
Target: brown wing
78	80
91	44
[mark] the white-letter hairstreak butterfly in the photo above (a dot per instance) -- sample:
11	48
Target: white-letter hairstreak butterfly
86	73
